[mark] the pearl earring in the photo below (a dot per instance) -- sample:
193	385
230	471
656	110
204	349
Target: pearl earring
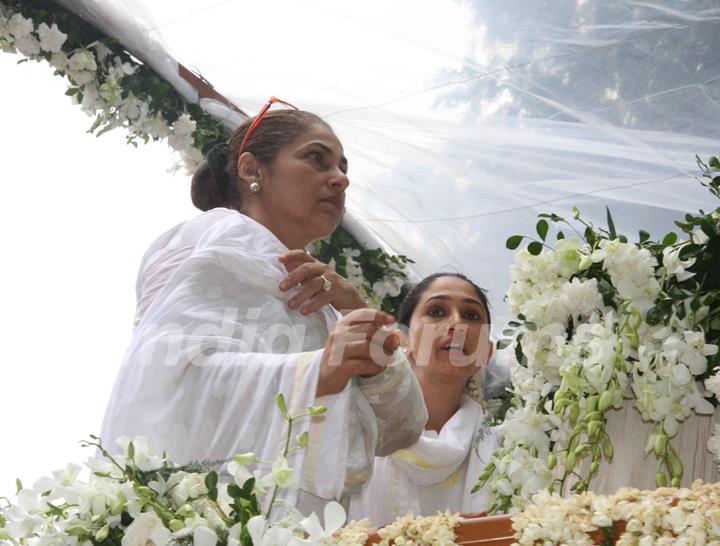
255	187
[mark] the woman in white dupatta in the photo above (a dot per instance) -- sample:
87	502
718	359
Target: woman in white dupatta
232	311
448	322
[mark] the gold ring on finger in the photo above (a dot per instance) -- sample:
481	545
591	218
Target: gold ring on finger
326	284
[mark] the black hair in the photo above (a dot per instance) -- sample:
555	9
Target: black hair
413	297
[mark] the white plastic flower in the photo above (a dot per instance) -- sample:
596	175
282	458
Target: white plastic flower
51	39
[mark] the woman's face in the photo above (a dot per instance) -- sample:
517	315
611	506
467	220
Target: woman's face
449	330
303	189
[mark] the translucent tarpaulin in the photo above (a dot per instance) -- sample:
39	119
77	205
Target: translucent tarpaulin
463	120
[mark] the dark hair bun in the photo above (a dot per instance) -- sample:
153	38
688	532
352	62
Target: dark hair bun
210	183
205	191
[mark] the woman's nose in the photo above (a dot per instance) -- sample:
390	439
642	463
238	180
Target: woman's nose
339	181
454	321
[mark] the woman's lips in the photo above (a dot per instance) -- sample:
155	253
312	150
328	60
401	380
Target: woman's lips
336	201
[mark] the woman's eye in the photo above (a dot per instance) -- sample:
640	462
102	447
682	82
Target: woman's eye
435	312
472	315
315	156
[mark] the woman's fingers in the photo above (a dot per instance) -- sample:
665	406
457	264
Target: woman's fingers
311	289
381	318
294	258
304	272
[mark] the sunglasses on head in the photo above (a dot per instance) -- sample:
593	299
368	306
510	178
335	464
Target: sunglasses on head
258	119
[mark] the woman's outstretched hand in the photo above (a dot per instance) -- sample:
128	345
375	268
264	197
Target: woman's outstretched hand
358	344
311	274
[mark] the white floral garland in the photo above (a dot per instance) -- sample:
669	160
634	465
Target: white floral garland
666	516
99	98
138	498
581	357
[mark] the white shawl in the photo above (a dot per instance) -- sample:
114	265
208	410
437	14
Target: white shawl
215	342
436	473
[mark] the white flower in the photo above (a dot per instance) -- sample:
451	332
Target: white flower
19	26
101	51
184	486
712	384
184	126
581	297
146	530
675	266
204	536
699	237
82	60
27	45
263	534
145	459
59	60
81	77
283	475
51	39
191	159
334	517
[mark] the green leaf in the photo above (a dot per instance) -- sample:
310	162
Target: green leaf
18	485
249	485
643	236
611	225
575	213
513	242
714	162
302	439
542	228
560	235
72	91
131	451
669	239
535	248
503	343
211	480
280	400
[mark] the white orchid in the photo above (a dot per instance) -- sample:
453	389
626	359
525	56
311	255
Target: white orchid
146	529
334	516
264	534
675	266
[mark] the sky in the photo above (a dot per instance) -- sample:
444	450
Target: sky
77	213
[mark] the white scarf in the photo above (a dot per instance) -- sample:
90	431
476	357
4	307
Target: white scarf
436	473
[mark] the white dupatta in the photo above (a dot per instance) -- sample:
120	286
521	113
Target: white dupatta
215	342
436	473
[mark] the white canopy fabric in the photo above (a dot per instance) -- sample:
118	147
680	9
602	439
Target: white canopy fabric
464	119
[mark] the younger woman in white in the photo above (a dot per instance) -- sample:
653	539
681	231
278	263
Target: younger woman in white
448	324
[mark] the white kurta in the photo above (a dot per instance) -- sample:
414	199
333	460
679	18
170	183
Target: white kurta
435	474
215	342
